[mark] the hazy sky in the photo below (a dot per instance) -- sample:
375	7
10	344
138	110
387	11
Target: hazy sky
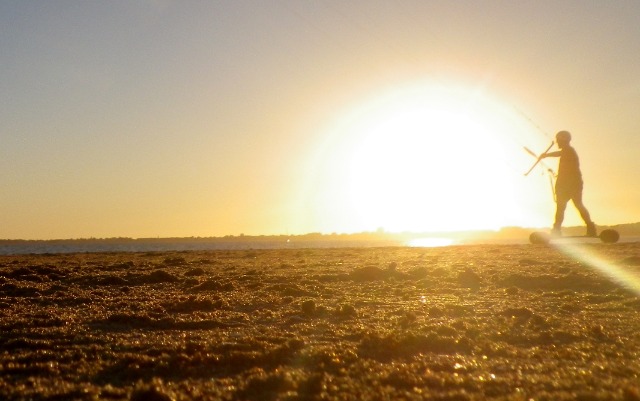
197	118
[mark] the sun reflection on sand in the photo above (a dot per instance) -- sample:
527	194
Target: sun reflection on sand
430	242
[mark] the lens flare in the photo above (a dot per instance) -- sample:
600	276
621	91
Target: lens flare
610	269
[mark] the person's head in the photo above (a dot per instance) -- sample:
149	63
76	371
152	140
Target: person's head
563	138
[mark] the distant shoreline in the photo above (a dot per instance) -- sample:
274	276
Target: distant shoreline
505	233
509	235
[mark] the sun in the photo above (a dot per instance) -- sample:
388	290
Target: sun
425	158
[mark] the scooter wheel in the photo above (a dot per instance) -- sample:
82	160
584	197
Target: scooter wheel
609	236
539	238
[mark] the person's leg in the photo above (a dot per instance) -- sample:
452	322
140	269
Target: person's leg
561	206
584	213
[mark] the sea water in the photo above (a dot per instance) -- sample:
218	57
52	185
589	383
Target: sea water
19	247
73	246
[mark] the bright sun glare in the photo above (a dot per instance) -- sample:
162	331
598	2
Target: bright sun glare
426	158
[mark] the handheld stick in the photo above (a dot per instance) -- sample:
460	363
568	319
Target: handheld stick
537	161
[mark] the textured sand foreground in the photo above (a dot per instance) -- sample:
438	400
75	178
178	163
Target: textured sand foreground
504	322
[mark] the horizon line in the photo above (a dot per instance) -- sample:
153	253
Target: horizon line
378	232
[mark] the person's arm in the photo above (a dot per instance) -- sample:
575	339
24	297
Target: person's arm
550	154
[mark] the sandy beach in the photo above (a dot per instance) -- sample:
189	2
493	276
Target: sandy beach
502	322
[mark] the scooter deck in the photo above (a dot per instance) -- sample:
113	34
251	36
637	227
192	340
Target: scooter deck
607	236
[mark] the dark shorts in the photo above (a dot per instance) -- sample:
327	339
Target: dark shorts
568	190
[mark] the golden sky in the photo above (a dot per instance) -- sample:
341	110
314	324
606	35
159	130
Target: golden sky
194	118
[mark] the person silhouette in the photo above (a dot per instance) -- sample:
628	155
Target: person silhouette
568	184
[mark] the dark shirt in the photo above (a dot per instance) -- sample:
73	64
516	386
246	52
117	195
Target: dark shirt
569	167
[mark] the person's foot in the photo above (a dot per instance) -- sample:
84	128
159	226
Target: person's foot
591	230
556	232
